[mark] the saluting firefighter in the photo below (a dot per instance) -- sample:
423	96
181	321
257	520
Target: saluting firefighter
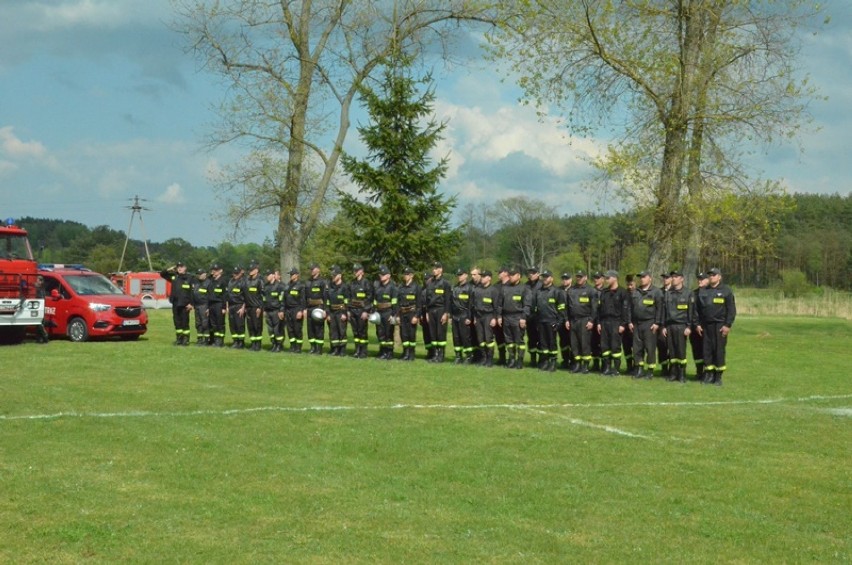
550	313
513	312
385	301
336	305
646	321
360	305
582	313
201	305
486	302
437	297
716	313
217	304
295	309
237	308
254	306
461	312
613	318
409	301
677	325
273	309
181	300
315	293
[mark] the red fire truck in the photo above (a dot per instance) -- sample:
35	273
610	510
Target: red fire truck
21	300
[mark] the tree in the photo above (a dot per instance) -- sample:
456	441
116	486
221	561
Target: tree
293	69
689	79
398	218
532	228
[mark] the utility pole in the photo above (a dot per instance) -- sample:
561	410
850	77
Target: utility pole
136	208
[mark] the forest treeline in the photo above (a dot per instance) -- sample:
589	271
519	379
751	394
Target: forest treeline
805	238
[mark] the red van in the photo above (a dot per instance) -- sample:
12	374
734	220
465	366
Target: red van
82	304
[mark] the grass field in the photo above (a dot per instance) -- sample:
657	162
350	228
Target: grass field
143	452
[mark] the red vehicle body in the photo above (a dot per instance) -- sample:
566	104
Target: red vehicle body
152	289
21	306
82	304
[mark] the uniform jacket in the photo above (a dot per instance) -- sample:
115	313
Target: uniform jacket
236	292
614	306
550	305
385	297
294	296
336	297
486	300
254	292
272	295
462	305
516	301
409	297
360	295
647	305
437	295
679	307
315	292
181	292
582	302
716	305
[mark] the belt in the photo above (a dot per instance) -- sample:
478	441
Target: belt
357	304
337	307
315	302
406	309
383	306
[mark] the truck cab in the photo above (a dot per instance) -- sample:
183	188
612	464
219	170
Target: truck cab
21	297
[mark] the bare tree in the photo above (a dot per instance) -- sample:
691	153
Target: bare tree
292	68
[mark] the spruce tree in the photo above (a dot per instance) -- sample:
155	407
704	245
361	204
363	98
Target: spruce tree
398	218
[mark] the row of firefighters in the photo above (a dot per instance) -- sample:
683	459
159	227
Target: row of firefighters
594	327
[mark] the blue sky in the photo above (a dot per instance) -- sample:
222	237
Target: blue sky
100	103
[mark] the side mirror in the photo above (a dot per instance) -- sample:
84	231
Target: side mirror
54	294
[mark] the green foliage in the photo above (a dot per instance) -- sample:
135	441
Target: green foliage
398	218
794	283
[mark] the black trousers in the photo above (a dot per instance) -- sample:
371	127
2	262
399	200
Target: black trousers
437	330
295	326
644	344
180	317
202	320
581	339
337	328
216	315
715	345
273	326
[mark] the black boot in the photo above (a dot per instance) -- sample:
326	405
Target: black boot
605	367
575	366
638	372
551	364
584	367
616	367
533	359
501	358
459	358
489	357
510	359
519	359
201	341
717	378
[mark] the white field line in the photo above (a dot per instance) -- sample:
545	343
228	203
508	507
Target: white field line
585	424
238	411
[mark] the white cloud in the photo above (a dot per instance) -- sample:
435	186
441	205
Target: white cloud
13	147
173	195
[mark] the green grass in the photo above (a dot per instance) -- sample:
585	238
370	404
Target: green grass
144	452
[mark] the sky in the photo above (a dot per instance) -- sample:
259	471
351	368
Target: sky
101	103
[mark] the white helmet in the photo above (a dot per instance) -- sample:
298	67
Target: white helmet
374	318
318	314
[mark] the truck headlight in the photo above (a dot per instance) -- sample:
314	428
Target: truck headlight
99	307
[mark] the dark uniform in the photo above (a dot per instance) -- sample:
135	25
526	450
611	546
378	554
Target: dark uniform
236	308
201	305
254	307
533	284
336	309
216	304
461	312
499	338
582	313
181	300
424	323
550	314
647	317
513	309
563	332
360	306
678	320
597	353
486	301
295	307
315	295
613	315
662	344
437	297
273	309
386	302
716	310
409	303
696	340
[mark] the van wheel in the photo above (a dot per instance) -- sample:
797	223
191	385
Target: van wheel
77	330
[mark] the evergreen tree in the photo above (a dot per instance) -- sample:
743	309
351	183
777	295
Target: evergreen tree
398	218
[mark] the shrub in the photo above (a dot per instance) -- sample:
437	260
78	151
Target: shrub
794	283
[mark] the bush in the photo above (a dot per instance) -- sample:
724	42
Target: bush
794	283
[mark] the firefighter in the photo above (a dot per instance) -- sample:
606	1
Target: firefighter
273	309
533	283
181	300
385	301
716	309
598	286
427	334
627	336
201	305
563	333
550	315
696	340
437	297
254	306
337	317
582	312
513	313
216	305
613	318
646	321
409	302
677	325
360	305
315	295
662	345
499	338
461	312
295	309
475	282
236	307
486	300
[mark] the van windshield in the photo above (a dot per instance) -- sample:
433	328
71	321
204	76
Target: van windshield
90	285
